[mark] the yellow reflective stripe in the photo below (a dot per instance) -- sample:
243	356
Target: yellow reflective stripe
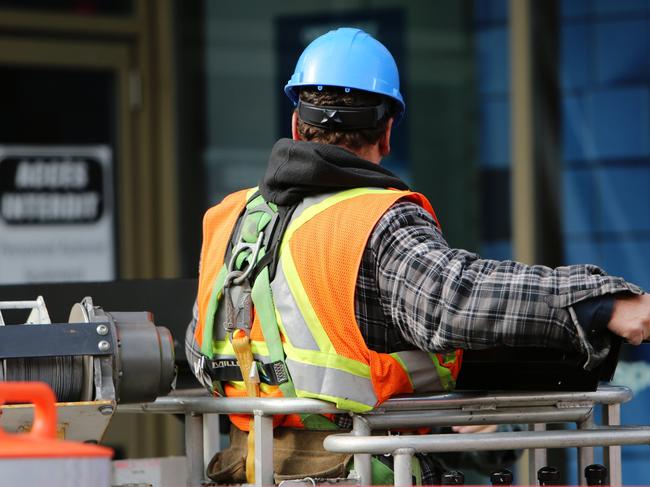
259	348
251	192
238	384
208	321
403	365
444	374
224	347
304	305
268	388
346	404
314	210
332	360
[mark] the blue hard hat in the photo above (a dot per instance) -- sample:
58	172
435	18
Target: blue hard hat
347	58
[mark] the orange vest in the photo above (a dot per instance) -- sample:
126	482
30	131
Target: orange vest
314	298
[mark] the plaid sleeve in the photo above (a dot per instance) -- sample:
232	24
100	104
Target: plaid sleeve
442	298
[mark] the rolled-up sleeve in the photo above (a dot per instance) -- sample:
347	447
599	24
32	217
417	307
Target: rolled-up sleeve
442	298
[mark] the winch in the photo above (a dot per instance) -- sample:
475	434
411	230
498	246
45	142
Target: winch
95	361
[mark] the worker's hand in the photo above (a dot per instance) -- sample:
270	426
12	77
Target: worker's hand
475	428
631	318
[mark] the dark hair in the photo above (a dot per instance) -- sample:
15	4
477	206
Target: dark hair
334	96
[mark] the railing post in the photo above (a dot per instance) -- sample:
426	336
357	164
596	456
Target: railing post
612	454
585	454
403	458
211	437
194	448
536	456
263	449
362	461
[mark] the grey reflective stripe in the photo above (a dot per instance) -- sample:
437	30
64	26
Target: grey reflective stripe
309	201
299	334
331	382
292	319
264	359
314	200
421	370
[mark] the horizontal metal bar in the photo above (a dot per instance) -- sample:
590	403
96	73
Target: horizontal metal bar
229	405
604	395
18	304
53	340
378	445
468	402
441	417
207	405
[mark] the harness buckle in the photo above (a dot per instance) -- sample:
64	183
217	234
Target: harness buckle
253	374
199	365
236	289
239	308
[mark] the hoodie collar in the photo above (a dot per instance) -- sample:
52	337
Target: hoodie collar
298	169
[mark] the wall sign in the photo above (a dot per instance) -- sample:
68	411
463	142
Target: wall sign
56	214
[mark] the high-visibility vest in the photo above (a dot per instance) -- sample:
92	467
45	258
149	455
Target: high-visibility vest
313	299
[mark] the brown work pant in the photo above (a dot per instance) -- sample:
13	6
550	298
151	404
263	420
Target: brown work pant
298	453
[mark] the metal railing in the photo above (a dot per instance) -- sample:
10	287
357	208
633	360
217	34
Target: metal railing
448	409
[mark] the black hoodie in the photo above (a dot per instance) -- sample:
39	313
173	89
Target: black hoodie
299	169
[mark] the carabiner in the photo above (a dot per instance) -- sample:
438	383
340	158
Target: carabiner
236	276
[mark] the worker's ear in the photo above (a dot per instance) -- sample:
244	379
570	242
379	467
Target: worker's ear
295	135
384	140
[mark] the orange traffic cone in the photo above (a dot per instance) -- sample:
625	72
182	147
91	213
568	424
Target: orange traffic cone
38	458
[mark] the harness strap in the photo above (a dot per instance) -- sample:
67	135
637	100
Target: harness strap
272	247
242	346
273	373
208	330
250	453
263	299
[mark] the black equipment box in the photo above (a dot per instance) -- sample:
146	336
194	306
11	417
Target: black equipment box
533	369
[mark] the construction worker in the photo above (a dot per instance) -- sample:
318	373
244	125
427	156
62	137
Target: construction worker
333	280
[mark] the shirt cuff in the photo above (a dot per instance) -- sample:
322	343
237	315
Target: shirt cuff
594	314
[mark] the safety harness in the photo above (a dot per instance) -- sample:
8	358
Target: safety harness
244	284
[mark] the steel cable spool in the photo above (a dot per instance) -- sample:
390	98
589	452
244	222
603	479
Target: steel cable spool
139	363
63	374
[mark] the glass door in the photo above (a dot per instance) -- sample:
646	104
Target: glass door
65	146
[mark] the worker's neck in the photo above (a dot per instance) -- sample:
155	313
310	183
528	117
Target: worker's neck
369	153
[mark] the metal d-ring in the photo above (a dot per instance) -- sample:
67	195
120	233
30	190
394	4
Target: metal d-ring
236	276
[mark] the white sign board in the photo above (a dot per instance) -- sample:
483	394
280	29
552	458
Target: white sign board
56	214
